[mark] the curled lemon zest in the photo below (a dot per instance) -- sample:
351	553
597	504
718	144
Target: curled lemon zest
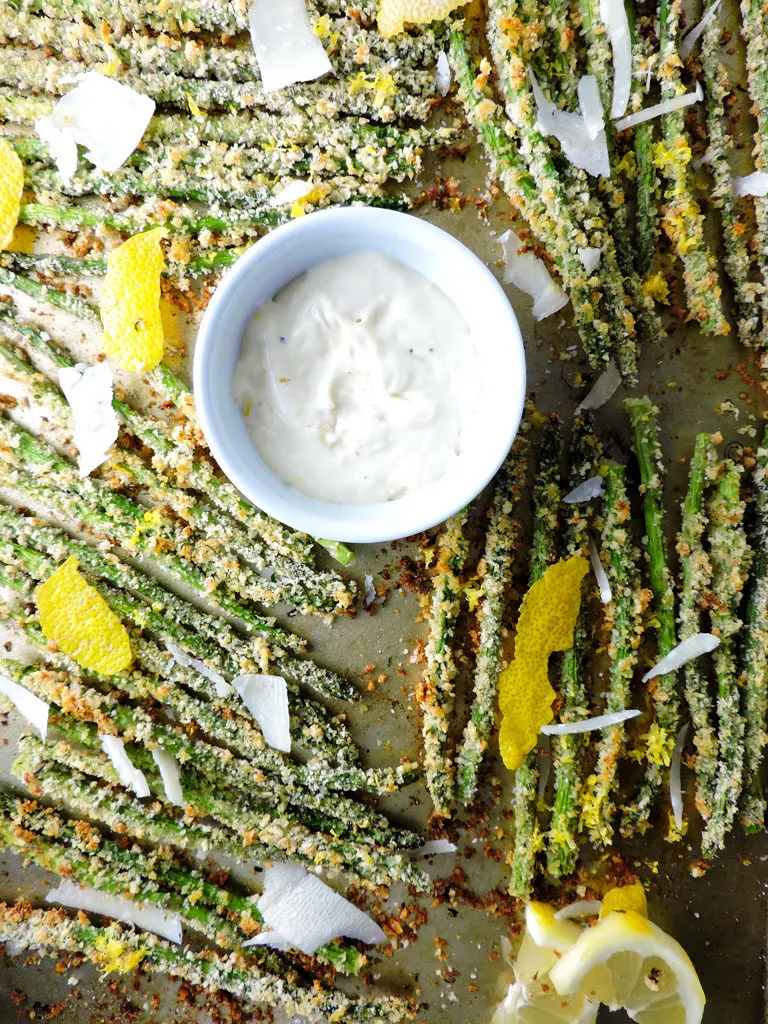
625	897
547	623
11	189
394	15
130	302
657	288
75	617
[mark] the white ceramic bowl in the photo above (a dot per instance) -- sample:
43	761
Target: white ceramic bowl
286	253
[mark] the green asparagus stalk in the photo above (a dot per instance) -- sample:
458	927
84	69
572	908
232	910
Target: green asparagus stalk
122	949
681	215
547	496
624	617
647	177
695	579
754	33
568	750
736	256
731	559
755	645
495	570
435	692
660	739
509	166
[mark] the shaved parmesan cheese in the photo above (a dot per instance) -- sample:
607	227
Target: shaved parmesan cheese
592	488
306	913
690	39
88	389
292	193
223	689
570	130
68	894
590	724
693	647
287	48
600	574
434	846
129	776
603	390
268	938
443	76
590	258
754	184
659	109
168	767
614	17
581	908
101	114
27	704
528	273
591	105
707	158
370	591
266	697
675	785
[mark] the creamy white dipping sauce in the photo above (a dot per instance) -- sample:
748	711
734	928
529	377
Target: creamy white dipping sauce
357	381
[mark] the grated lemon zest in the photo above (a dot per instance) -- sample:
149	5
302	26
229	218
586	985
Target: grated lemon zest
193	107
547	622
115	957
130	302
657	288
11	189
75	617
394	15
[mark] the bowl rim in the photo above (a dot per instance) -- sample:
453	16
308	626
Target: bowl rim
325	524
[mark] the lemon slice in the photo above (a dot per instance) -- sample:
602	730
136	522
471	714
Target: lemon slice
130	302
538	1003
546	931
628	962
625	897
394	15
11	189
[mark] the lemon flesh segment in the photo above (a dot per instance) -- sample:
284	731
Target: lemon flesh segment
11	189
625	897
75	617
538	1003
546	931
628	962
130	302
394	15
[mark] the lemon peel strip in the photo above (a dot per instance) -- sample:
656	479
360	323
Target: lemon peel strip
75	617
395	14
625	897
11	189
547	622
130	302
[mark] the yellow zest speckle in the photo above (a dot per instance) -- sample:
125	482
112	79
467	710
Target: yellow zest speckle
248	407
150	521
473	595
628	165
194	110
115	957
659	745
547	621
110	68
323	26
11	188
381	86
130	302
299	208
75	617
538	419
657	288
394	15
625	897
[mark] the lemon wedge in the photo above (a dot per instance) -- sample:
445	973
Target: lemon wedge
546	931
628	962
538	1003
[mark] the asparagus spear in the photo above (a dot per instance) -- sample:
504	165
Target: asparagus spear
755	645
568	750
78	849
117	948
624	616
754	33
731	559
681	215
660	739
495	570
547	496
177	458
736	259
647	178
696	575
509	166
435	692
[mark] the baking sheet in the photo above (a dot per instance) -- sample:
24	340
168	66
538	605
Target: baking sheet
453	966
